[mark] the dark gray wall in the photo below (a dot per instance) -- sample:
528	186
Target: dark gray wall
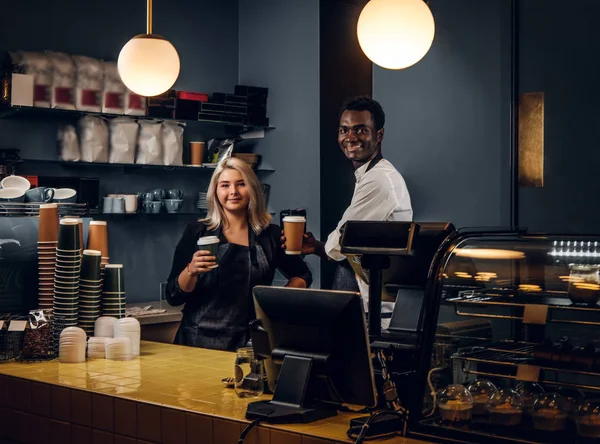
559	44
447	117
340	55
205	34
279	48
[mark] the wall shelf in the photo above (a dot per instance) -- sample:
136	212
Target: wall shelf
135	166
7	112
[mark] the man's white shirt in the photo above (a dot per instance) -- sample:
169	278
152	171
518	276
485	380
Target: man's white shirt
379	194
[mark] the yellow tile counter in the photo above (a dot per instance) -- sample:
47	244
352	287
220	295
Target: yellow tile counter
171	394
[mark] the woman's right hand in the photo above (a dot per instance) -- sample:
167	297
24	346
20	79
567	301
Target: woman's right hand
202	262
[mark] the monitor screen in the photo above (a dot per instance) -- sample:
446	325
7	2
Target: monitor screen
327	325
377	237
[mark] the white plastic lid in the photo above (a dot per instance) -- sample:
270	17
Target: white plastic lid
208	240
113	266
50	205
69	221
98	222
294	219
92	252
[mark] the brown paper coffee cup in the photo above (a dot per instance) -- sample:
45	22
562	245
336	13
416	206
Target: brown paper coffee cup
98	237
293	230
197	152
48	227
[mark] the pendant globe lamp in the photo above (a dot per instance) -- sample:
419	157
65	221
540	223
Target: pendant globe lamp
395	34
148	63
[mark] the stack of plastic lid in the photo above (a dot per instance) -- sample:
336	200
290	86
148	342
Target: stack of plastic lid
96	347
129	328
72	345
104	327
118	349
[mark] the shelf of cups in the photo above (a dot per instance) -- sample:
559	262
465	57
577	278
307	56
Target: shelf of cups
120	216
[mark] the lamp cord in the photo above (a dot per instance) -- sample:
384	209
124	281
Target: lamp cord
248	428
148	16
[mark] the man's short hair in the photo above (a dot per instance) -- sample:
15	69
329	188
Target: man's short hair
365	103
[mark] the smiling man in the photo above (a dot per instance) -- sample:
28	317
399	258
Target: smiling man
380	192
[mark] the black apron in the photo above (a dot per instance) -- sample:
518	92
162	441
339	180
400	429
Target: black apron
219	318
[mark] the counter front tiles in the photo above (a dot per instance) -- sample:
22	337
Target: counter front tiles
171	394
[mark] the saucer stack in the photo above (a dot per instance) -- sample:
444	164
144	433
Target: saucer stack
98	240
202	203
90	290
47	241
129	328
72	345
113	291
66	277
118	349
96	348
104	327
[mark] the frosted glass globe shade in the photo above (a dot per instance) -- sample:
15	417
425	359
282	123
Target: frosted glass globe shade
148	65
395	34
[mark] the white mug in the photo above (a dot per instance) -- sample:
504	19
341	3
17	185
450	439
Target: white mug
131	203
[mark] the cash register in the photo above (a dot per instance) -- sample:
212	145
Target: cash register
316	343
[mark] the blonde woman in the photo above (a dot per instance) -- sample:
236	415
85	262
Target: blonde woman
218	301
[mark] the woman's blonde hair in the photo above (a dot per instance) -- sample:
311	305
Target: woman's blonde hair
258	216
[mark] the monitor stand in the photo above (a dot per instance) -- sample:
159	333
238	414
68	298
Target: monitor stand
290	402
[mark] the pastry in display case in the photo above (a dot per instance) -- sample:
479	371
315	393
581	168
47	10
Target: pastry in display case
549	412
481	390
574	398
536	376
505	408
529	391
455	404
588	419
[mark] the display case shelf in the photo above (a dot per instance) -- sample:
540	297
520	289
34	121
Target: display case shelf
556	301
484	432
503	360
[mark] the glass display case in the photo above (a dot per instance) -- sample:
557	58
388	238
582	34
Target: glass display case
532	365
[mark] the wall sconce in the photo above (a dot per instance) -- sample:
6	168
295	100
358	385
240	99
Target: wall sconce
395	34
148	63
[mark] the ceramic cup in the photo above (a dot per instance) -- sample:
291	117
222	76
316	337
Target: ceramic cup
173	205
65	195
39	194
174	194
15	182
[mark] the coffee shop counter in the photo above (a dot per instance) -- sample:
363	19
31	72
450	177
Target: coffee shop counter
170	394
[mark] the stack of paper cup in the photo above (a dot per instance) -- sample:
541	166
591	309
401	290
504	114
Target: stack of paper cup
118	349
47	241
90	288
72	345
80	223
96	348
66	277
98	240
113	291
105	327
129	328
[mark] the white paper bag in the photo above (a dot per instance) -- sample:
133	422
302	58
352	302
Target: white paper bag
172	134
